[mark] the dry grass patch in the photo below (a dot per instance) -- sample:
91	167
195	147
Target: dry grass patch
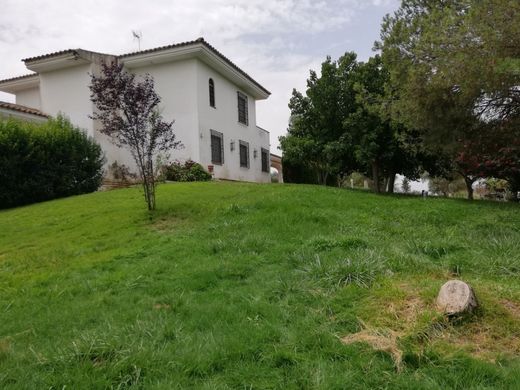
5	348
492	332
480	342
162	306
512	307
402	315
379	339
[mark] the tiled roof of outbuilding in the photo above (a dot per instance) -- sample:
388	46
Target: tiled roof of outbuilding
24	109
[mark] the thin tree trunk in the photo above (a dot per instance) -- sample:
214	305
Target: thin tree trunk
391	183
322	177
375	177
469	186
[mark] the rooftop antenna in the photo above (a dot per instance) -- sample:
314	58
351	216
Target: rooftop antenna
137	35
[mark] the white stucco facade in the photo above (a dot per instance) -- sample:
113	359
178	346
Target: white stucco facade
224	119
181	74
29	97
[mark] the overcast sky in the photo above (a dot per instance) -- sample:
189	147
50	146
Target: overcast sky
275	41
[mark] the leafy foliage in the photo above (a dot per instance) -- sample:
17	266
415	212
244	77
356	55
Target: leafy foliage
121	172
316	134
187	171
340	126
454	70
128	111
43	161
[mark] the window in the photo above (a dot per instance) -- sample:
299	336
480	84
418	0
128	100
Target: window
211	93
265	160
217	147
242	108
244	154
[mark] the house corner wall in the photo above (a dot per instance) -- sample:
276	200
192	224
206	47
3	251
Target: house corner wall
29	97
224	119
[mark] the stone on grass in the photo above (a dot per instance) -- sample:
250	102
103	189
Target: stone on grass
456	297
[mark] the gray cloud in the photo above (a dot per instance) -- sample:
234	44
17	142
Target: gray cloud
275	41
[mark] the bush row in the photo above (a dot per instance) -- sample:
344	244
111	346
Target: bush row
187	171
42	161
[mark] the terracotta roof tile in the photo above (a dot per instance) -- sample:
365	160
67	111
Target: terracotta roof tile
187	43
24	109
180	44
25	76
56	53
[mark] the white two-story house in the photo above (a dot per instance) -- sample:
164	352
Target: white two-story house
211	100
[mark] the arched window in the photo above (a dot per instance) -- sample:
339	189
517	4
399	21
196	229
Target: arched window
211	93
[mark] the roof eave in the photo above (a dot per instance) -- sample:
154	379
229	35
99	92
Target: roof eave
19	84
200	51
68	59
217	62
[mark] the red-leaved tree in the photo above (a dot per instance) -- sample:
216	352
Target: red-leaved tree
490	154
127	108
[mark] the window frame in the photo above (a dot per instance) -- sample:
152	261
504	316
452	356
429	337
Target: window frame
262	151
243	97
219	135
211	87
244	144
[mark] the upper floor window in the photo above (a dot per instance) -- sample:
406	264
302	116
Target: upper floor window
217	147
265	160
211	93
244	154
242	108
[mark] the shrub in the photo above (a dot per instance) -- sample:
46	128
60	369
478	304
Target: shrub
189	171
43	161
120	172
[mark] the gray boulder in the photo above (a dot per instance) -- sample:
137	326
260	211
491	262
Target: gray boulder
456	297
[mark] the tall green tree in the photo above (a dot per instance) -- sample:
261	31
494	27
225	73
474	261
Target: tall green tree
382	147
455	70
316	136
341	125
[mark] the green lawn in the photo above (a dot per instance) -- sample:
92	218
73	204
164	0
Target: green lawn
245	286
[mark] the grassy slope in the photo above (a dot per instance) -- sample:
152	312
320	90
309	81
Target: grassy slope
239	285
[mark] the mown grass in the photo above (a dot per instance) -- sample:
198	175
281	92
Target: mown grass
244	286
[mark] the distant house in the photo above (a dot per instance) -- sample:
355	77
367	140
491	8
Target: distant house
212	101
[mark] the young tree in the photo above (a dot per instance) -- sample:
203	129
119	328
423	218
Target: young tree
127	108
439	186
405	185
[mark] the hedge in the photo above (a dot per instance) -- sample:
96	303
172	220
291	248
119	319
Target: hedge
187	171
43	161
